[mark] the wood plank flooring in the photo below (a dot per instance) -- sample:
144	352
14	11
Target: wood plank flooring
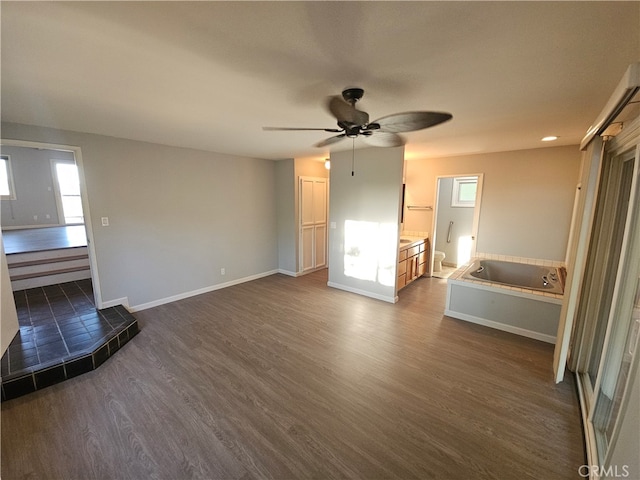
286	378
46	238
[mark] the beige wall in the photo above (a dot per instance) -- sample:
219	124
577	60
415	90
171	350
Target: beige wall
527	198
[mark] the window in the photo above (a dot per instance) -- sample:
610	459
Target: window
68	189
464	192
7	191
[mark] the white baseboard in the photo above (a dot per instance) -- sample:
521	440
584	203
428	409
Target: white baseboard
114	303
365	293
501	326
287	272
200	291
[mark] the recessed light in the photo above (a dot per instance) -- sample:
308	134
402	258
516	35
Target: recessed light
550	138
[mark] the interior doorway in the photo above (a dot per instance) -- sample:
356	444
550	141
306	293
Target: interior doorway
455	223
48	211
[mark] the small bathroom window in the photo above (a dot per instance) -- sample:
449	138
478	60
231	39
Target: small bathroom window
464	192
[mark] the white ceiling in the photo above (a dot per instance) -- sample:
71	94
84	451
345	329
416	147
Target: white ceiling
210	75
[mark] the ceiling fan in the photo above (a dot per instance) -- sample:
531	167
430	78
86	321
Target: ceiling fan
382	132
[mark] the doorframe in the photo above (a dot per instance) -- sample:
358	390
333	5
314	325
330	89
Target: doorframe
77	153
476	214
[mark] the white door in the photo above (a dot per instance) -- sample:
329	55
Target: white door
313	223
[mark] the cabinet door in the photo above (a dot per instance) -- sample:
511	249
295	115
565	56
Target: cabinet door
320	245
313	223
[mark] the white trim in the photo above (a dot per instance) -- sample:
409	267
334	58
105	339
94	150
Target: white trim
114	303
288	272
365	293
500	326
200	291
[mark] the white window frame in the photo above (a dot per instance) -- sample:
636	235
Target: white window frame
455	195
12	188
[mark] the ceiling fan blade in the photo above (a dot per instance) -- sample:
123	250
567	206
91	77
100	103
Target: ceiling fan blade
384	139
276	129
411	121
330	140
346	113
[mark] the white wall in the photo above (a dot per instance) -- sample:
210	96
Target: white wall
527	198
177	216
368	202
33	182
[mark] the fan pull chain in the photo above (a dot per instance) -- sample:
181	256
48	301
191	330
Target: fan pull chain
353	155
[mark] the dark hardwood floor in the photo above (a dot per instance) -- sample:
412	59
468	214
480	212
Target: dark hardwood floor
46	238
286	378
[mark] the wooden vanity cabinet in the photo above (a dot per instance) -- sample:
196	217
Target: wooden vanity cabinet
413	262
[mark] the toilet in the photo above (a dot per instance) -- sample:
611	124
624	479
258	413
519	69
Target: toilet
438	257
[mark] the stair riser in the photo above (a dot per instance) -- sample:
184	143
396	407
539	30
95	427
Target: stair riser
48	268
47	255
49	280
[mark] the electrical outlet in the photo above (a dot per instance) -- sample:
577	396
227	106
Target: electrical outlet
222	271
105	221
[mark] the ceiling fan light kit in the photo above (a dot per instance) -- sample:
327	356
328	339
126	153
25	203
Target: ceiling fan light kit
382	132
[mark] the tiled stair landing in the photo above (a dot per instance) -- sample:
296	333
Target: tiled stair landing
62	335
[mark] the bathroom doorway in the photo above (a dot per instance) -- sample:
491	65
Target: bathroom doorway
455	222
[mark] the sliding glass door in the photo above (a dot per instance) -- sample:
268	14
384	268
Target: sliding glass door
605	337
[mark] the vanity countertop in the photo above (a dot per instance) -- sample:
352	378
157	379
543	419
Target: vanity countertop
408	241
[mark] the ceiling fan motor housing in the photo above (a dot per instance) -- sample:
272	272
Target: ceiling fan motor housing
352	95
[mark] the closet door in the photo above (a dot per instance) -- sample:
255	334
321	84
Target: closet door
313	223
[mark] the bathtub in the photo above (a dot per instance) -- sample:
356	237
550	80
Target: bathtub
523	275
515	297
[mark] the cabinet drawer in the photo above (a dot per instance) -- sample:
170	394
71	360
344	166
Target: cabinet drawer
422	258
413	251
403	255
402	281
402	268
